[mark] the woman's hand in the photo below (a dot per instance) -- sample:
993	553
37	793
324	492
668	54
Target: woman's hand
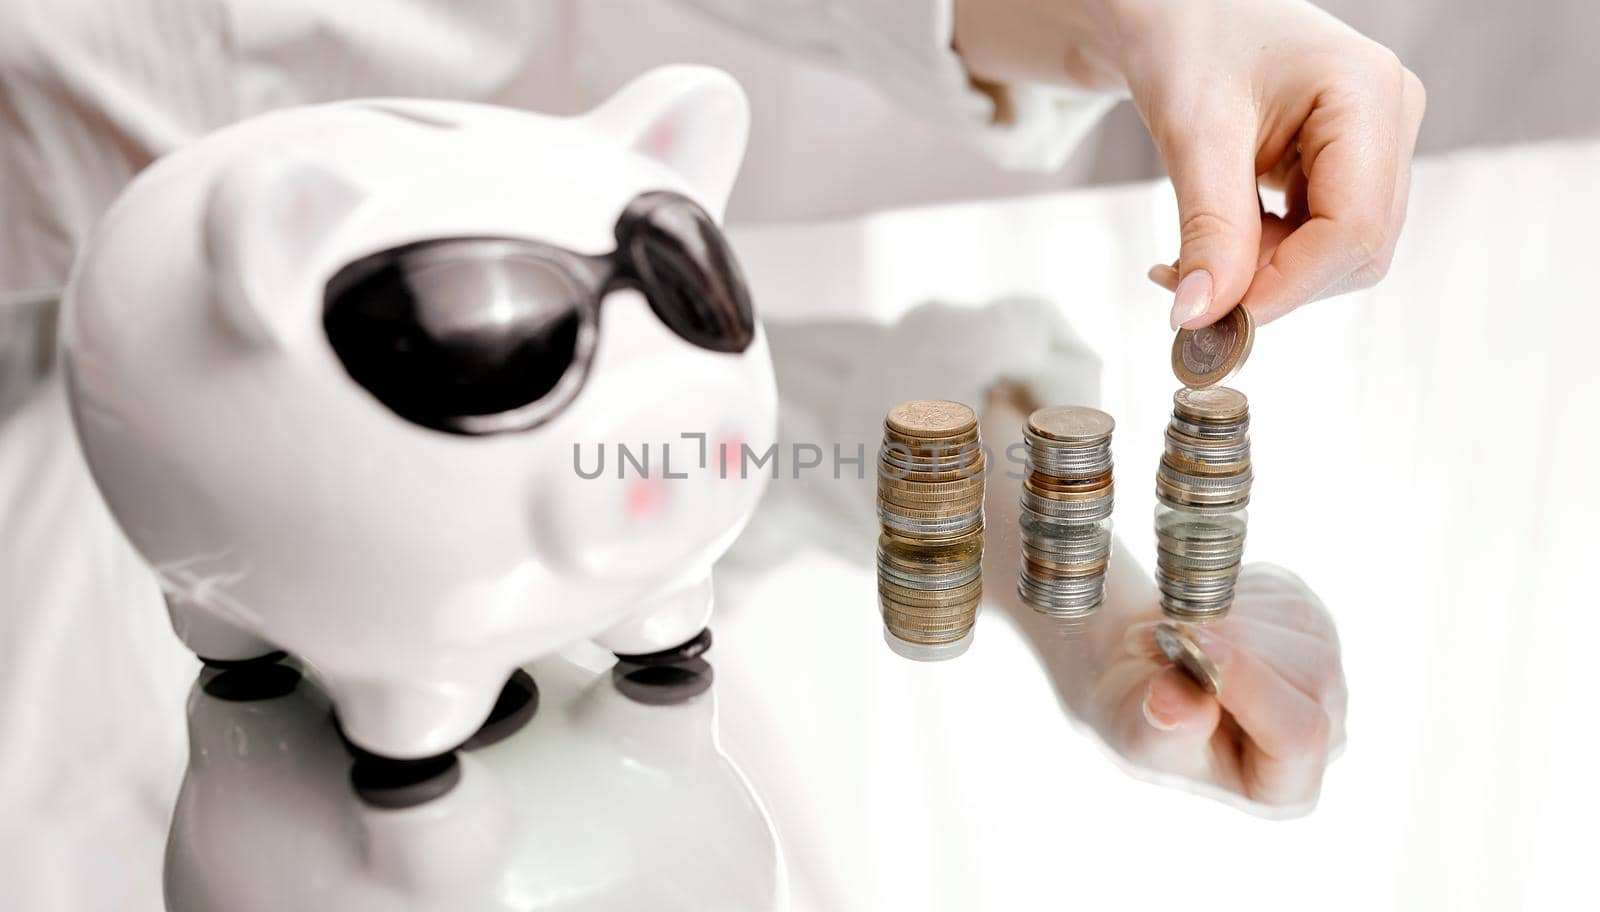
1277	720
1237	94
1262	742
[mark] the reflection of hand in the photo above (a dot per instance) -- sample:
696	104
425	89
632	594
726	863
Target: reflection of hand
1236	93
1270	732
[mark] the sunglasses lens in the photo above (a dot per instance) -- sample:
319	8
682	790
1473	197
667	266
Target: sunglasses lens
465	336
677	256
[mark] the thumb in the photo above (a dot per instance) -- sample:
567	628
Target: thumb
1212	165
1171	722
1174	703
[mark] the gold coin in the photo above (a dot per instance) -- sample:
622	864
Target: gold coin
959	450
931	418
945	443
1183	462
931	488
1046	481
920	475
948	510
917	500
920	640
1213	354
926	618
1071	423
916	555
908	501
897	614
1216	403
1180	649
1069	494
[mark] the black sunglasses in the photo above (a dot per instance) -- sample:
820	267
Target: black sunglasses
484	335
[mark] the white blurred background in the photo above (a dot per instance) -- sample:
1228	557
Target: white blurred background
1462	393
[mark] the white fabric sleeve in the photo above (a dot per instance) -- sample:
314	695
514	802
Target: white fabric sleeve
904	46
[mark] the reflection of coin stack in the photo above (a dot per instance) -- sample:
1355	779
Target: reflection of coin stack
930	503
1202	489
1066	510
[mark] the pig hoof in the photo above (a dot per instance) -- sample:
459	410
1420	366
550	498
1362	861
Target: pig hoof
248	682
394	784
692	649
277	655
518	701
663	685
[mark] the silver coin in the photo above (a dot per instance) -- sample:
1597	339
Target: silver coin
1181	649
1071	423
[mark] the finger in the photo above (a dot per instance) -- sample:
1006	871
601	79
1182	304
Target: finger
1174	703
1273	594
1164	275
1273	231
1167	724
1284	723
1349	149
1213	173
1414	101
1305	660
1309	663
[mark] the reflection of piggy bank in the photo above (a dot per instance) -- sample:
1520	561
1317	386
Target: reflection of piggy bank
580	798
341	372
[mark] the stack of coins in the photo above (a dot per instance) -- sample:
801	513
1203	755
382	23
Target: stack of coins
1202	489
1066	510
930	505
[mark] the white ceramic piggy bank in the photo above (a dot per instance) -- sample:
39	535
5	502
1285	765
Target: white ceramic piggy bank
336	370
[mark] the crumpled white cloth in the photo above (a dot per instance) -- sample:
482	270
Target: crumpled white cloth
91	92
92	683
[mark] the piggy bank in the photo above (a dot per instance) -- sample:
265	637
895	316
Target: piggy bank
592	789
419	391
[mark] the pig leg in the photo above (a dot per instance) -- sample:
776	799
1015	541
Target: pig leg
670	628
411	718
217	642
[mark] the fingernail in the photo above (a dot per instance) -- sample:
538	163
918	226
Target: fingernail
1193	297
1160	713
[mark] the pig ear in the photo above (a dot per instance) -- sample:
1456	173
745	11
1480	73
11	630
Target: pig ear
265	221
693	119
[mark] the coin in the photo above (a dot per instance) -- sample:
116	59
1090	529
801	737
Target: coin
931	471
1215	403
1071	423
1202	487
1066	502
914	555
1213	354
1180	649
902	508
931	418
929	599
